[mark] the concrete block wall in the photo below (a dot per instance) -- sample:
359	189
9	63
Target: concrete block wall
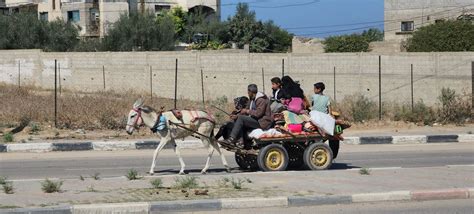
228	74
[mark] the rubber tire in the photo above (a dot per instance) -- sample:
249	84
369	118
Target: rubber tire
246	162
308	153
334	145
263	153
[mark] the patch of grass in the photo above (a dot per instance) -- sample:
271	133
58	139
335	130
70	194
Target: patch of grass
132	174
95	176
454	108
8	206
49	186
358	108
364	171
91	188
35	128
248	180
421	113
3	179
186	182
157	183
8	187
79	110
237	183
8	137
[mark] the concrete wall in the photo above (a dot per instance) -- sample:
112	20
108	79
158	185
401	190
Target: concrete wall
228	74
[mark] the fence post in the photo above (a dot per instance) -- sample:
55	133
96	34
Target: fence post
151	83
59	77
282	67
55	94
412	100
335	84
380	87
263	80
19	74
202	89
175	83
103	75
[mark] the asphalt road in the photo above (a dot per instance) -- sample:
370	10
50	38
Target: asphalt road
429	207
117	163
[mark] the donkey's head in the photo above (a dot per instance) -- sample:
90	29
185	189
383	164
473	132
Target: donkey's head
135	119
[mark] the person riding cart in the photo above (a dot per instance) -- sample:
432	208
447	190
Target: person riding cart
256	115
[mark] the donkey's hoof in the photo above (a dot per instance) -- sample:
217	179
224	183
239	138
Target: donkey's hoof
181	173
151	173
228	170
203	172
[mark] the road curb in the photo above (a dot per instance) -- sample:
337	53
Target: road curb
196	144
241	203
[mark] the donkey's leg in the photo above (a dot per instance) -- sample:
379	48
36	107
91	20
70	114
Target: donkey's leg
162	144
178	154
224	161
209	155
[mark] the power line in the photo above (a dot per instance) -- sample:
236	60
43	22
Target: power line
382	21
288	5
375	26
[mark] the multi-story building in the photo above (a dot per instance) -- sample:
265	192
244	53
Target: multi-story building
95	17
403	17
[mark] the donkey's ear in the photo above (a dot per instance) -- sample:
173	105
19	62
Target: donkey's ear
138	103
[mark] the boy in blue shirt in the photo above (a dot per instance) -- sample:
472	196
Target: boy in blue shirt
320	101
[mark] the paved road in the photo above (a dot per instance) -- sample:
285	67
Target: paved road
116	163
432	207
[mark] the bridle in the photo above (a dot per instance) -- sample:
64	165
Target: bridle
138	117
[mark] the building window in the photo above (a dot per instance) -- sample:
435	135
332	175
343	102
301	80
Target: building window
44	16
94	14
408	26
54	4
159	9
73	16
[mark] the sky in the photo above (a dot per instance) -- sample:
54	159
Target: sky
315	18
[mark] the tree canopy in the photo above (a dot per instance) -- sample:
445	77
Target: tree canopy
448	35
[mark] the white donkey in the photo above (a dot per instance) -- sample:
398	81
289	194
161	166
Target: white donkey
198	121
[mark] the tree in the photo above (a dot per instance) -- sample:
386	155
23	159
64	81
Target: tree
346	43
373	35
62	36
449	35
141	31
25	31
279	40
262	37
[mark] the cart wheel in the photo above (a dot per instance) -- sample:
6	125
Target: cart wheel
318	156
273	157
295	154
334	145
246	162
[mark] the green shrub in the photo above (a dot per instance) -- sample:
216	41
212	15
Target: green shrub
49	186
454	108
132	175
156	183
421	113
8	187
357	108
3	180
8	137
186	182
95	176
